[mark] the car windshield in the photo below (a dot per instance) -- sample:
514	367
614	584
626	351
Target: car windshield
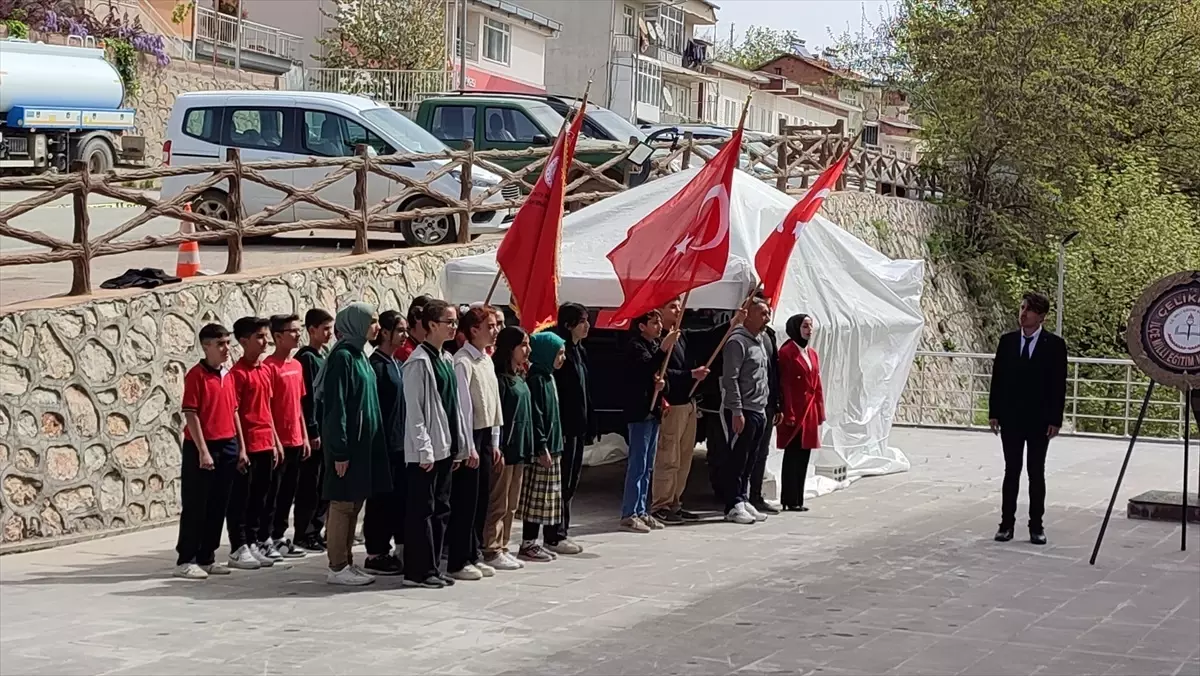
545	117
403	132
620	128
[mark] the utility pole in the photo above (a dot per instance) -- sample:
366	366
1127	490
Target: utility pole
237	39
462	45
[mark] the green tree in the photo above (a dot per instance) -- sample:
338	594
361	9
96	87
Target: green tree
387	35
758	45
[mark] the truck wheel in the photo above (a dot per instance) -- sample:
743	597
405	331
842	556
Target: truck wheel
98	155
428	230
212	203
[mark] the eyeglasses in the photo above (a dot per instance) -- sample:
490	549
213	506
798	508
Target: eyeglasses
448	322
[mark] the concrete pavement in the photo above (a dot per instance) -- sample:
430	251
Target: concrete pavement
895	575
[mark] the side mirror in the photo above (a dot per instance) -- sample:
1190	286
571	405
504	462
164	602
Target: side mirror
540	140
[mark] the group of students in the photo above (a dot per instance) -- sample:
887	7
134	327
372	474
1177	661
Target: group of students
448	426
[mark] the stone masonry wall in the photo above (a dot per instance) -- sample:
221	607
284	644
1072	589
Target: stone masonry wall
90	393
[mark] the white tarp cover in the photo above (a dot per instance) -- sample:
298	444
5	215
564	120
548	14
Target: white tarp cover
865	306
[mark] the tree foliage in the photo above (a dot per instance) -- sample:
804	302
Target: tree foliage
387	34
1032	110
758	45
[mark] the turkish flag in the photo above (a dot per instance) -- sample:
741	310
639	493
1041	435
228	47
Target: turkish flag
772	258
680	246
528	255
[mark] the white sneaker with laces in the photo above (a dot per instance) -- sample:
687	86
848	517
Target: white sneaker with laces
217	569
243	559
516	562
487	570
753	511
469	573
190	571
503	561
264	561
361	572
739	515
347	577
269	550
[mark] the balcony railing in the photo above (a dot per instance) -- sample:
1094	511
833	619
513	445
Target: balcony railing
400	89
222	30
950	389
625	44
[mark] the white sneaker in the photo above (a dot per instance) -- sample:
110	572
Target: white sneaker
503	561
487	570
347	577
264	561
739	515
269	550
752	511
517	562
469	573
244	559
217	569
190	571
361	572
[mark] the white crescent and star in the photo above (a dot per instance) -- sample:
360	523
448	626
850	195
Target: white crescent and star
551	171
721	196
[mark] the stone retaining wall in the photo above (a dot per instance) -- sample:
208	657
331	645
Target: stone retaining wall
90	393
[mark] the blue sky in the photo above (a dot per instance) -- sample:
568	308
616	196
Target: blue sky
812	19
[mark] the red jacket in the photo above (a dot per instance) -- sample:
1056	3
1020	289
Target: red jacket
803	397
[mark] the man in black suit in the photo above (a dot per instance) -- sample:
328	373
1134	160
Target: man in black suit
1025	407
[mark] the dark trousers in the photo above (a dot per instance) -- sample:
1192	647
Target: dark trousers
247	516
310	507
204	498
426	515
287	477
384	520
1026	442
739	460
571	466
759	471
794	472
469	493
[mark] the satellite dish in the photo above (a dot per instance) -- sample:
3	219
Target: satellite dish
667	98
871	115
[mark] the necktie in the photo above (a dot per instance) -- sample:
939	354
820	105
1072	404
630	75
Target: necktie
1025	346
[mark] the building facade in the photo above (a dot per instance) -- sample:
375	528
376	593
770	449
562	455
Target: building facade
505	49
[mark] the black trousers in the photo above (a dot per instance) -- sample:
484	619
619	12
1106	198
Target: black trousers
384	518
247	514
204	498
571	466
287	478
739	460
759	471
426	515
1026	442
469	493
310	507
794	472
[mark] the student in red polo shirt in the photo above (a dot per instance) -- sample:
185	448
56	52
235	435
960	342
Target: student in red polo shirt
416	330
249	520
211	455
287	390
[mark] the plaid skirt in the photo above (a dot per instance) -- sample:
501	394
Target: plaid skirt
541	495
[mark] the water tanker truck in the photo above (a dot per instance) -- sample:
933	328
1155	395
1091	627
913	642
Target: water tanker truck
59	104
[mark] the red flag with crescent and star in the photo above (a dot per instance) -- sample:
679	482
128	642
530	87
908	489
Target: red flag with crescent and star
681	245
772	258
528	255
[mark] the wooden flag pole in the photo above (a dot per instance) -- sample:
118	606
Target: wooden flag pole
565	123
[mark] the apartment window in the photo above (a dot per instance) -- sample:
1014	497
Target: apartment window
649	83
497	38
628	20
670	22
870	135
730	117
711	108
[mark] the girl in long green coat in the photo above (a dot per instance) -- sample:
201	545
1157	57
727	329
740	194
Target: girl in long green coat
356	461
541	493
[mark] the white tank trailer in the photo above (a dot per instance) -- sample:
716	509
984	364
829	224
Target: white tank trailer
59	104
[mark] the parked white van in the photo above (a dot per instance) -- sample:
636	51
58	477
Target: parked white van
282	125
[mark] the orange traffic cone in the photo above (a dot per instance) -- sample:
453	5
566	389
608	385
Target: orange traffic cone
188	263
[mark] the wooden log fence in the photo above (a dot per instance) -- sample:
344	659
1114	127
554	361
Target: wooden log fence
789	160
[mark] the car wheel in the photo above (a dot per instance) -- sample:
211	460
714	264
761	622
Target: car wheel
428	230
214	204
98	155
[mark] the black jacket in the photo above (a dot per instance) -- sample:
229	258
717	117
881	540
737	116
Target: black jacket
691	351
771	345
389	383
644	359
571	380
1029	392
311	361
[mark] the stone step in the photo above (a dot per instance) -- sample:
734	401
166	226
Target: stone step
1164	506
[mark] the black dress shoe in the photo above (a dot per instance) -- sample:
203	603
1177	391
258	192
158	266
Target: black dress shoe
1037	537
1004	535
764	507
688	516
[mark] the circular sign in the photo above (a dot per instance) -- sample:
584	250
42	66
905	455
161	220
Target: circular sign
1163	335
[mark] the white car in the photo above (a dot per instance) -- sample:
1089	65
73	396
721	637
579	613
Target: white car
281	125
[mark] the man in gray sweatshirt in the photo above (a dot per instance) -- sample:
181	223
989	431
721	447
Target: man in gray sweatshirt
745	392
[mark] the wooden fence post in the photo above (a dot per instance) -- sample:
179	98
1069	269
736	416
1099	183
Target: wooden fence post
234	242
361	176
627	169
81	267
686	160
464	193
781	163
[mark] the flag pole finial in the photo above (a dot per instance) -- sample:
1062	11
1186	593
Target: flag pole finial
745	110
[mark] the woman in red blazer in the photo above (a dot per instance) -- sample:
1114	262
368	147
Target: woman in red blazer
803	410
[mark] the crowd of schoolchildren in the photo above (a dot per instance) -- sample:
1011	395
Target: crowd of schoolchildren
444	426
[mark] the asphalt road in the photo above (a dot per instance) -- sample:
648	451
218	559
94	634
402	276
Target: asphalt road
21	283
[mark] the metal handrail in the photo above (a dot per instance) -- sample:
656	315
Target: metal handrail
223	30
950	389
